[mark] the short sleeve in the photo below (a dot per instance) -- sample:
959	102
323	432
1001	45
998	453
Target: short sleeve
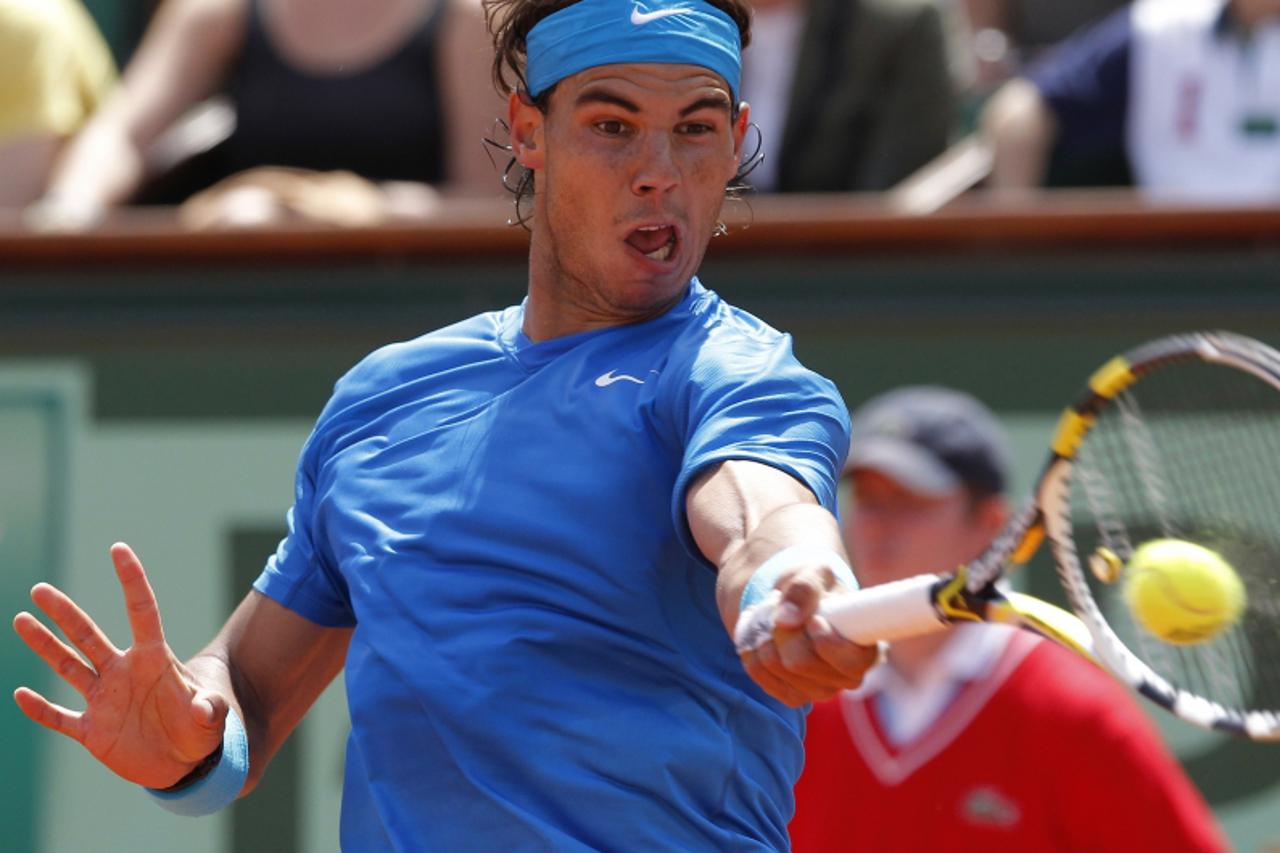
1085	83
24	103
300	576
56	68
749	398
303	574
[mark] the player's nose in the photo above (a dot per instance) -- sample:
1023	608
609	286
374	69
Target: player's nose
656	169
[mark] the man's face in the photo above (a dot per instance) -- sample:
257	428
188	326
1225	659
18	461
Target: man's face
892	532
631	163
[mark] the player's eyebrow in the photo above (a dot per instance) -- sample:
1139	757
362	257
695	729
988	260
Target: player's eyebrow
601	96
604	96
710	102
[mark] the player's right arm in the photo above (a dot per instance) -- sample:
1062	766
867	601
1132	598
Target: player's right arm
151	718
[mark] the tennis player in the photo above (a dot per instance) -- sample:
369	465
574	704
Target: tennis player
985	737
527	536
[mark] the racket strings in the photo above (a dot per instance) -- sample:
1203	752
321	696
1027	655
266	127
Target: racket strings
1146	461
1191	452
1103	506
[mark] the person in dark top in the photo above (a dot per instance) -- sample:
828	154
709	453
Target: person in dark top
849	95
383	120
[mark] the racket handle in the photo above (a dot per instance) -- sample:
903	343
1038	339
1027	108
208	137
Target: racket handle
891	611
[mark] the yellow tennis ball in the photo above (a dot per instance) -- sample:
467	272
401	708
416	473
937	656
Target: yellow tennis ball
1182	592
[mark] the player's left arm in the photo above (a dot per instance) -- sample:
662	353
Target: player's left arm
741	514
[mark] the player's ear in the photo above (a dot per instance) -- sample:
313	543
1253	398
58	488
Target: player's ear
526	123
740	125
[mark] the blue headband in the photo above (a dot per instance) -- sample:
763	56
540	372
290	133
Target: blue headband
609	32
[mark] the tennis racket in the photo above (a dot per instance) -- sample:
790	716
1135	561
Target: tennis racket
1175	439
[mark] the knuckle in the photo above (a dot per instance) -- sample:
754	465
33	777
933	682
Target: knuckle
796	654
68	668
91	643
804	586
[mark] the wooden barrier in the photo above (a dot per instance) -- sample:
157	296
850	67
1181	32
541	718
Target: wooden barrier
823	225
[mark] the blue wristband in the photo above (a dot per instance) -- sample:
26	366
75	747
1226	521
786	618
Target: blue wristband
220	788
765	578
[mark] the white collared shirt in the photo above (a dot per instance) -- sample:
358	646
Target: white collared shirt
906	708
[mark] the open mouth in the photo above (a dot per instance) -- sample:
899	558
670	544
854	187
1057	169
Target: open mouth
655	242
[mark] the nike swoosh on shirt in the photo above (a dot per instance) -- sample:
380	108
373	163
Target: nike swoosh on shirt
606	379
641	18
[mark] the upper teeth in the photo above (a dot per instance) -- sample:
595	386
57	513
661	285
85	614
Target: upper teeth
651	228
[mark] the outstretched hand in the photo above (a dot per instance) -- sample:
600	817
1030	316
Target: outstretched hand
146	717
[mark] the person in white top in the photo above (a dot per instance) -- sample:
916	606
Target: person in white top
1186	91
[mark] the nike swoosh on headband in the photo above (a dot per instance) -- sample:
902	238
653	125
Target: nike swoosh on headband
641	18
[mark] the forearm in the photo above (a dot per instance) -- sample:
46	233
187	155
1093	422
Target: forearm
764	530
1021	130
741	513
804	524
182	59
100	167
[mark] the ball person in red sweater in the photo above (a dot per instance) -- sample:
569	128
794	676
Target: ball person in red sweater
983	737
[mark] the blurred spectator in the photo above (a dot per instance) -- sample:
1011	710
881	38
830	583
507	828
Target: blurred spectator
1185	93
983	737
849	95
54	70
391	90
274	195
1005	34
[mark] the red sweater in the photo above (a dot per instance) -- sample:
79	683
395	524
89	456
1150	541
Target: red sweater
1043	752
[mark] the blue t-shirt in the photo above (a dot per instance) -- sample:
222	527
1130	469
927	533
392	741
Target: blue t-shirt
538	662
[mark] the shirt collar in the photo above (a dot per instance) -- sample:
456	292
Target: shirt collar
968	655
